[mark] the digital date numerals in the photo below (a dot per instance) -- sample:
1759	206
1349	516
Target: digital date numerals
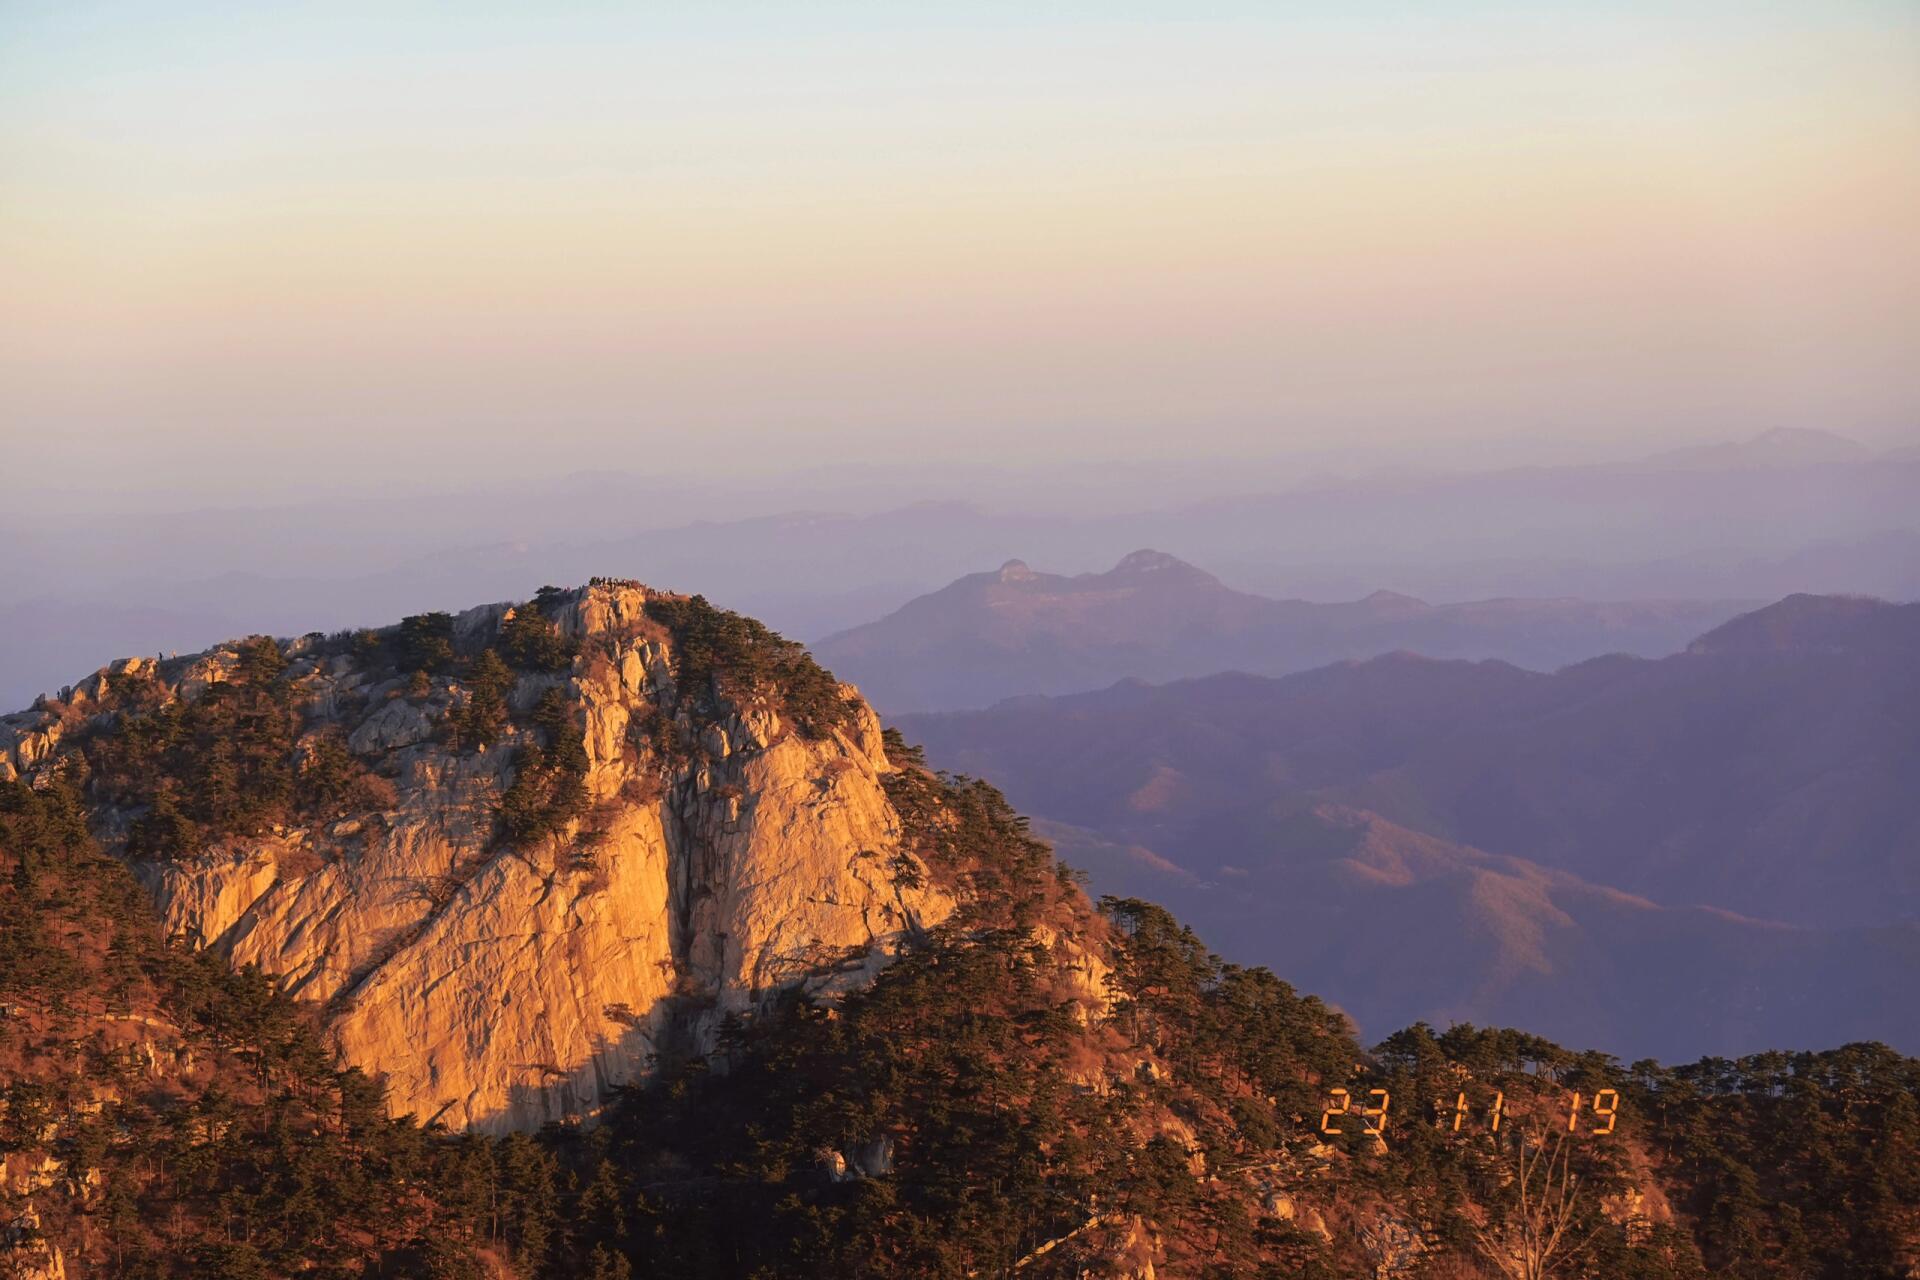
1603	1107
1606	1106
1373	1119
1494	1113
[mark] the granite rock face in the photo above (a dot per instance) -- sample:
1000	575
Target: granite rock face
500	984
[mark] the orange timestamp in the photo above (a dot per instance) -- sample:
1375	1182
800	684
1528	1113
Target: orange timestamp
1602	1106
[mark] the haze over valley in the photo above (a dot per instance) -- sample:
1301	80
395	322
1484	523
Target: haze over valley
816	553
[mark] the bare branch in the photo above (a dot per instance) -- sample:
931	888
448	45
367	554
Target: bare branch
1530	1243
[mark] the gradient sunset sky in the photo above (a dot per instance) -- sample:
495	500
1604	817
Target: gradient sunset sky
273	244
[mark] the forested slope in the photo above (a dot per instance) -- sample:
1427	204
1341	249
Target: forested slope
1034	1085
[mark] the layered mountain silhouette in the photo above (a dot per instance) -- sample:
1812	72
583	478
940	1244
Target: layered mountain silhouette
1017	631
815	553
1691	854
1780	447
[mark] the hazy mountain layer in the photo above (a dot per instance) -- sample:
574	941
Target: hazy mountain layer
1400	927
990	636
1764	772
814	555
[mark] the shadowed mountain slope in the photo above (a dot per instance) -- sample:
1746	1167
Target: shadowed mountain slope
1399	927
1766	772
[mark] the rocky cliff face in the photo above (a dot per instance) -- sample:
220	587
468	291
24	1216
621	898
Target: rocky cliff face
711	850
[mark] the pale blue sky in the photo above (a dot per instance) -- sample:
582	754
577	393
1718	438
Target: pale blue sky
242	239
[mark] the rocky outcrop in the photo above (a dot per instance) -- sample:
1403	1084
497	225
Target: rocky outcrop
25	1253
501	984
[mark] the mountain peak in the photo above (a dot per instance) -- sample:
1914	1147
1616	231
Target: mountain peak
1016	571
1394	602
1780	447
1147	561
502	797
1804	622
1804	438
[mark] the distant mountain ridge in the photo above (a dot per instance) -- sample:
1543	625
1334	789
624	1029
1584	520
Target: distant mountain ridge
1671	805
1780	447
816	554
1015	631
1807	623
